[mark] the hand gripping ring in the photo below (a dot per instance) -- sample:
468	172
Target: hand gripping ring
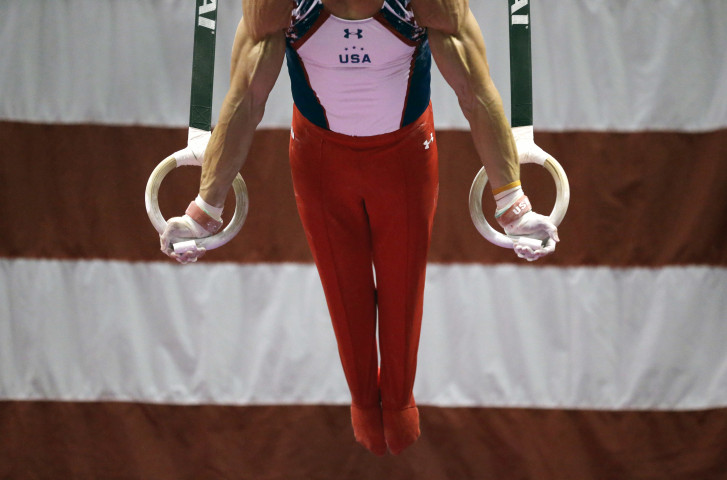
151	199
556	216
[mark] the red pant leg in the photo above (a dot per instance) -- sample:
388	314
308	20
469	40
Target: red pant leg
336	225
401	202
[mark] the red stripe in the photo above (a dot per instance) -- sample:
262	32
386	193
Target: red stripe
59	440
76	191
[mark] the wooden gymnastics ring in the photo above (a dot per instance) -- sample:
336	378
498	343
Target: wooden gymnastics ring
151	199
556	216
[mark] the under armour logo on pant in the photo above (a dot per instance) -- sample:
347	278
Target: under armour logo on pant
428	142
348	33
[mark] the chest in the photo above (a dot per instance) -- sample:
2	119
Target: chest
340	43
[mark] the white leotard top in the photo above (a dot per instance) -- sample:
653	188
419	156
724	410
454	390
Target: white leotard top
358	77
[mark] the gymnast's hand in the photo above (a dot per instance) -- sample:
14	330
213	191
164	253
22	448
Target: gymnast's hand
179	229
534	235
197	222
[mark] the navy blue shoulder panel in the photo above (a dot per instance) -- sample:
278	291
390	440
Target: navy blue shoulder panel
305	16
401	18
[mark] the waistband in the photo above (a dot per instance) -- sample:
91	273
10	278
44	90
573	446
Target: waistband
373	141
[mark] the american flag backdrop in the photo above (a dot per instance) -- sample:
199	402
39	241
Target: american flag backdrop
607	360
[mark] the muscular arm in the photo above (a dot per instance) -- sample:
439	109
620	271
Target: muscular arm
459	50
257	57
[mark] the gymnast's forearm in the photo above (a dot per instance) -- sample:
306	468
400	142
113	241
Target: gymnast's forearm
493	137
461	57
255	68
227	150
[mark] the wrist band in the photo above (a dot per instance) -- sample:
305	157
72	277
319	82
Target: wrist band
516	210
510	185
203	218
211	210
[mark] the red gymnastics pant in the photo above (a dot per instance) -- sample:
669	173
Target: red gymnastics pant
367	201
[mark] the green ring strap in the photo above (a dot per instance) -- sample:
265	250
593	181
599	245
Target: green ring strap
203	64
521	66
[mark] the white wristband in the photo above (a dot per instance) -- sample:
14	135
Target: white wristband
212	211
507	198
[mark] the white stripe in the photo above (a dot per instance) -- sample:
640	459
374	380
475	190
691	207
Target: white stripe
259	334
658	65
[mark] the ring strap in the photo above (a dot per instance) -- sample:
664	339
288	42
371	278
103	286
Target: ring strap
521	65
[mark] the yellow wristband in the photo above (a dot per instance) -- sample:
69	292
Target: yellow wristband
510	185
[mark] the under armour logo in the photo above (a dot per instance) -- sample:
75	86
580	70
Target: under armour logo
428	142
348	33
